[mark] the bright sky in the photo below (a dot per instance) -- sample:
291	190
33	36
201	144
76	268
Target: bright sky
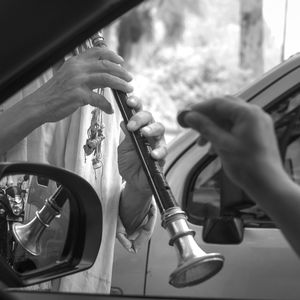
274	11
293	28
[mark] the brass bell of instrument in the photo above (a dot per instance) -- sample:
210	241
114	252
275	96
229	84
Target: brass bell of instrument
28	235
194	265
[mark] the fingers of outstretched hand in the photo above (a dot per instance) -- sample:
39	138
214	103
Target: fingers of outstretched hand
202	141
208	129
220	110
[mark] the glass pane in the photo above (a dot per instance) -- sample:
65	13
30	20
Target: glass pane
292	160
33	224
205	193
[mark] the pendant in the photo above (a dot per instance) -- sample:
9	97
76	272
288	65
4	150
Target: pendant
95	137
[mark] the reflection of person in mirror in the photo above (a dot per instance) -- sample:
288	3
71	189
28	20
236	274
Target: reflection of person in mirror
53	118
243	136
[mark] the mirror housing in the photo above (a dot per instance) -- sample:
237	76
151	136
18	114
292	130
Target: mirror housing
84	231
223	230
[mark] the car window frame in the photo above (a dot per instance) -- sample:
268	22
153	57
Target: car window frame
191	178
46	45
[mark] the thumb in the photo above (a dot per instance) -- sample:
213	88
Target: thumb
122	236
208	129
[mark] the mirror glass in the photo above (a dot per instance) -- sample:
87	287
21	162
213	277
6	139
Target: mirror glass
34	221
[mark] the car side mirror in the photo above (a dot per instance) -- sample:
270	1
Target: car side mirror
227	227
223	230
50	223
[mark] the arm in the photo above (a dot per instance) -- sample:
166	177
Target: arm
243	136
70	88
16	128
271	187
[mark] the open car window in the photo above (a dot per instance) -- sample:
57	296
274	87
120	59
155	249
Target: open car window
210	193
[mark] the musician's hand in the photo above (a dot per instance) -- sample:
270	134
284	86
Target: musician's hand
129	163
72	85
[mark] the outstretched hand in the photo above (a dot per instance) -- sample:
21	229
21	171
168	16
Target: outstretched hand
242	135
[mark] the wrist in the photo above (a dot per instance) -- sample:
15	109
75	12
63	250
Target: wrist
32	107
29	118
37	103
265	181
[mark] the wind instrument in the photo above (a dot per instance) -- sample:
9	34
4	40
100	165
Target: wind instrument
28	235
194	265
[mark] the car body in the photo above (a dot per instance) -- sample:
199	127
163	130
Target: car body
261	265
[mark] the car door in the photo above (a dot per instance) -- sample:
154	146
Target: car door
262	265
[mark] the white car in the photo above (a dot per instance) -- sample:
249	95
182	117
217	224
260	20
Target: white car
259	263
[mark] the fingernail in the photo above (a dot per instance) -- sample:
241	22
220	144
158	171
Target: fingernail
107	109
121	58
129	88
130	76
110	110
135	248
155	152
181	118
131	101
202	141
146	130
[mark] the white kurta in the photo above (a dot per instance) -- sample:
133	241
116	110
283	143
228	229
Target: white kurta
61	144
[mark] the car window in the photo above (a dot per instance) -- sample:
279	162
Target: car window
205	193
287	115
292	160
210	193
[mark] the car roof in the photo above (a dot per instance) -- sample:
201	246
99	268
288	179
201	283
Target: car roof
35	34
249	92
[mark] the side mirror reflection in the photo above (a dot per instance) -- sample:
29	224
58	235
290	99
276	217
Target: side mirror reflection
50	223
34	221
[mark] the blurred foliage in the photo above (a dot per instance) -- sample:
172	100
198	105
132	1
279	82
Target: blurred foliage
186	51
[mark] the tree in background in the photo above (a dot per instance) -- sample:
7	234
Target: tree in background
181	52
138	28
132	27
251	35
